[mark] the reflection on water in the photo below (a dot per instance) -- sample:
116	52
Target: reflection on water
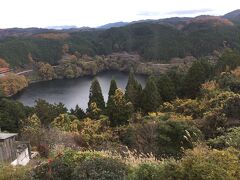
72	91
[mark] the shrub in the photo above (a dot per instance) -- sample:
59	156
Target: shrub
100	168
187	107
146	171
202	163
230	138
94	133
175	136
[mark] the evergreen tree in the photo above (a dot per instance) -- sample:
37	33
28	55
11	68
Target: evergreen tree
96	95
112	89
199	72
151	99
133	90
119	110
78	112
166	88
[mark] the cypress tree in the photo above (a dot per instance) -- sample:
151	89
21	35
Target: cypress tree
151	99
133	90
112	89
95	95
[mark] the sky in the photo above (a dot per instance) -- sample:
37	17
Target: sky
93	13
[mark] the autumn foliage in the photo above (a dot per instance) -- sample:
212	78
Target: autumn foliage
11	84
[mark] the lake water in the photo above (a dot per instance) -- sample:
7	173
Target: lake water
72	91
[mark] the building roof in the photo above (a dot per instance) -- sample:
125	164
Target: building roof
4	136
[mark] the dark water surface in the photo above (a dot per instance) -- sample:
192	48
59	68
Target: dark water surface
72	91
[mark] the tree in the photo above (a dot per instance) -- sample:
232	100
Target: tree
11	83
166	88
96	95
93	111
119	110
11	112
199	72
151	99
48	112
66	122
31	129
46	71
112	89
133	90
78	112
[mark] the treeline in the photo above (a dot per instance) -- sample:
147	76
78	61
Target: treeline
152	41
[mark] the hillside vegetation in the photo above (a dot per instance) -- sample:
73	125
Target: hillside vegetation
181	125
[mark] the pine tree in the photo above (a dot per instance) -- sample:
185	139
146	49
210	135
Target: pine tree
119	110
151	99
133	90
96	95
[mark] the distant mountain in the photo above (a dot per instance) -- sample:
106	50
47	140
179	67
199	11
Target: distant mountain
233	16
111	25
21	32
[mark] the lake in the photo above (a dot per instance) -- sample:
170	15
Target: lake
72	91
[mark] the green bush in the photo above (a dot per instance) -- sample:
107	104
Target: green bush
210	164
200	164
146	171
101	168
230	138
55	169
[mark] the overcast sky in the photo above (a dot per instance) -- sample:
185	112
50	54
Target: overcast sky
93	13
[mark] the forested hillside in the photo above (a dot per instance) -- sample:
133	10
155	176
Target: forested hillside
156	40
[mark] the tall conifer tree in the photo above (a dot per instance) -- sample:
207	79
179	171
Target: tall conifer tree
112	89
95	95
133	90
151	99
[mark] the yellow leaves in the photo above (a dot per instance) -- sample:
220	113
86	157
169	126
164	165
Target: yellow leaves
66	122
210	86
46	71
12	83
